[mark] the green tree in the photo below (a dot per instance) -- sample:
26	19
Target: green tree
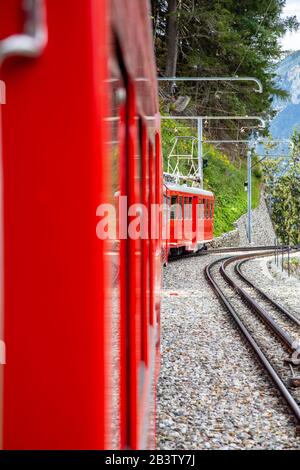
283	188
222	37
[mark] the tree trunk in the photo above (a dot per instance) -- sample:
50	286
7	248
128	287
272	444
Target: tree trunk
172	39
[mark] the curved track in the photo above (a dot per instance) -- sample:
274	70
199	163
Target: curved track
221	250
280	308
269	328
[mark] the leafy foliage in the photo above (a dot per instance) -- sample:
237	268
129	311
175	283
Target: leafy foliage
224	38
283	189
225	178
229	38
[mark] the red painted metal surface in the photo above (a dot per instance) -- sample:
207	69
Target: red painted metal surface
69	295
193	220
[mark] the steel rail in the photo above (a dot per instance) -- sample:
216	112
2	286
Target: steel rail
251	341
220	250
247	299
263	294
242	248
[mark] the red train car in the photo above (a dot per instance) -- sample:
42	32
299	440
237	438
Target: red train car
81	313
190	218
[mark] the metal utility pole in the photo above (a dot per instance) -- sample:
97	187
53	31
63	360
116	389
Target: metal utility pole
200	149
200	119
249	165
254	80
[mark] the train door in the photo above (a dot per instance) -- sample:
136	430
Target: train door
2	344
133	298
167	221
148	403
165	226
152	241
212	217
158	224
146	400
145	242
206	221
194	221
117	128
209	221
128	342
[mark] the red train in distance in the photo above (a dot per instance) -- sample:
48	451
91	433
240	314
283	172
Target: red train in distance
189	223
81	315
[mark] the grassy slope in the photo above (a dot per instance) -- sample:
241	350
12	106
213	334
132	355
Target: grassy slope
227	182
223	177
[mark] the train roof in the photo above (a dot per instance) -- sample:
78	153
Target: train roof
188	189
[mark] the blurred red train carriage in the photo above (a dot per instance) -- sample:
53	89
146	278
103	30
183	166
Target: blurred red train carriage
81	129
81	314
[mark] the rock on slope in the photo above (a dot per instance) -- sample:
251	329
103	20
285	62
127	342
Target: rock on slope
262	229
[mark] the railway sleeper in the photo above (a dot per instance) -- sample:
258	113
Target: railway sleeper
253	305
292	361
294	382
294	406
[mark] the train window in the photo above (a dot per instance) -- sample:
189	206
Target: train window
206	209
165	214
173	207
190	207
200	209
166	203
180	199
211	210
186	207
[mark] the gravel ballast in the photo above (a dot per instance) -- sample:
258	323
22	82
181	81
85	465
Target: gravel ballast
212	392
269	277
262	228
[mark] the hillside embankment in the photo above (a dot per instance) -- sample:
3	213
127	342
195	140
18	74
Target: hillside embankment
262	229
224	174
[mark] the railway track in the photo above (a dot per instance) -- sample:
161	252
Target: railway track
270	329
221	251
